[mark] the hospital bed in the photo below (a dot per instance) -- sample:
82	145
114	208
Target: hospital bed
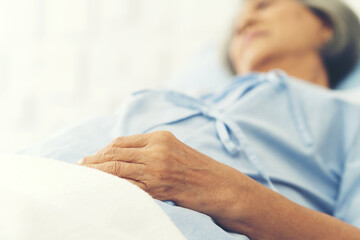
45	199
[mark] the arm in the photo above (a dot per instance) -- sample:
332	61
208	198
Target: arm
256	211
169	170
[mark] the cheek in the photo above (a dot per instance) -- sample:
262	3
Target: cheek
295	31
252	54
290	30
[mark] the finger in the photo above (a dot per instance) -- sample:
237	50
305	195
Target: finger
139	184
133	141
130	155
120	169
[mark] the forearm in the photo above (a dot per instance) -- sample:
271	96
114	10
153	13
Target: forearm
275	217
169	170
260	213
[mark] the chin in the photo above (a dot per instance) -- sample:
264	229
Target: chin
252	62
261	57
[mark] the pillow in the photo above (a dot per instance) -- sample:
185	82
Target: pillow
206	72
353	80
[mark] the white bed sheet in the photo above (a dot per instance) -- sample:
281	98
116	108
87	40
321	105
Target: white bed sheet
46	199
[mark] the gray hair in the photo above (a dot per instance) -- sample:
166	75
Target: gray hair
341	54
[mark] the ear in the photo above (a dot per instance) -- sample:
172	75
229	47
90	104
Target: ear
327	33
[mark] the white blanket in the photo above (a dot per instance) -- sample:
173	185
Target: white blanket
45	199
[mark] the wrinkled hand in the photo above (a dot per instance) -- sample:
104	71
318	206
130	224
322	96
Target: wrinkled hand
163	166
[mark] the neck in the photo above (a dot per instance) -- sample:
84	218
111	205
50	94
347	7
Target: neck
306	66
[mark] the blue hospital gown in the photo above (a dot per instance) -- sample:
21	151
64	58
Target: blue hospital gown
296	138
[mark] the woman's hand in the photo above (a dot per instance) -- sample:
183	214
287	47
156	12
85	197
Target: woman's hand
167	169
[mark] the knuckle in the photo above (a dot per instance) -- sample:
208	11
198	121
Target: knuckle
120	169
101	156
89	159
167	134
115	142
109	152
164	135
86	159
118	139
116	168
160	153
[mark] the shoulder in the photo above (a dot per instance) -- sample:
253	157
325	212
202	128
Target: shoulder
340	108
339	99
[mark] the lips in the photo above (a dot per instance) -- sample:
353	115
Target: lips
249	37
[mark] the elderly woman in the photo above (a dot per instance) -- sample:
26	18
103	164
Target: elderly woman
275	155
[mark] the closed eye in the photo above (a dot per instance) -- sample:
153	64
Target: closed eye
261	5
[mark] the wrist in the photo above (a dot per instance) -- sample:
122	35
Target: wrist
227	195
235	200
221	192
237	203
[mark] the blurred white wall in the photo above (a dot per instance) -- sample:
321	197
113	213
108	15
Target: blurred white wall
63	61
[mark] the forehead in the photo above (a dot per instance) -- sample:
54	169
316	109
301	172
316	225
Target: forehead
244	2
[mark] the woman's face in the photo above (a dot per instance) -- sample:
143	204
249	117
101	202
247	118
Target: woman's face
274	29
